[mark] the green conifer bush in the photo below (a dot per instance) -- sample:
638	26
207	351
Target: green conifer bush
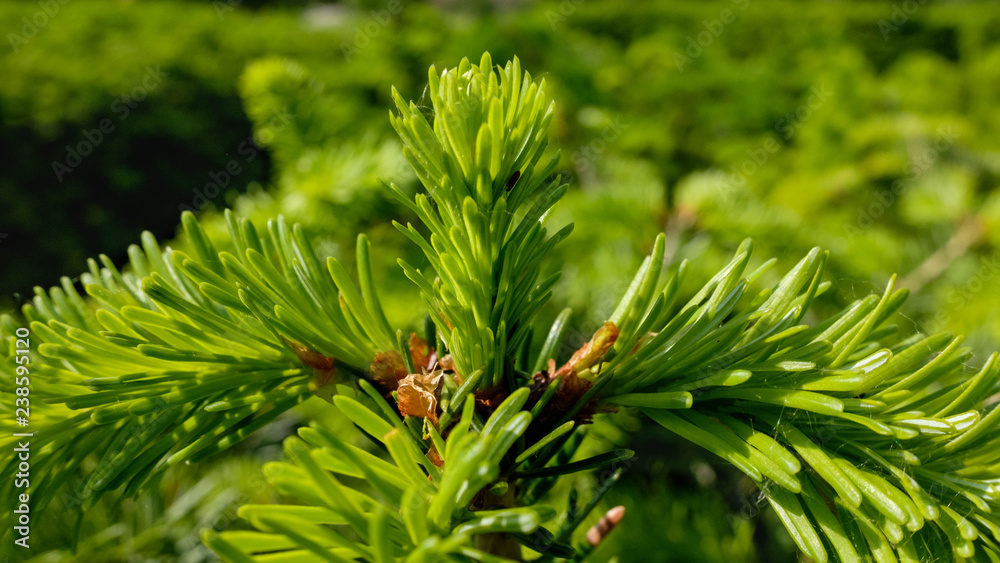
869	445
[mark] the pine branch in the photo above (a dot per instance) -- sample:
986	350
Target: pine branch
418	511
866	443
896	434
187	355
479	164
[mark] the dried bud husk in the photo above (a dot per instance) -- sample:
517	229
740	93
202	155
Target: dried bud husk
418	395
447	363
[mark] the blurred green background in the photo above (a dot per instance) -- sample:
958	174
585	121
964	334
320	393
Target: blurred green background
868	128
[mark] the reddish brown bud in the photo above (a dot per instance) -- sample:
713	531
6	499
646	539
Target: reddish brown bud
323	379
435	457
420	352
603	527
311	358
593	352
571	387
388	368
